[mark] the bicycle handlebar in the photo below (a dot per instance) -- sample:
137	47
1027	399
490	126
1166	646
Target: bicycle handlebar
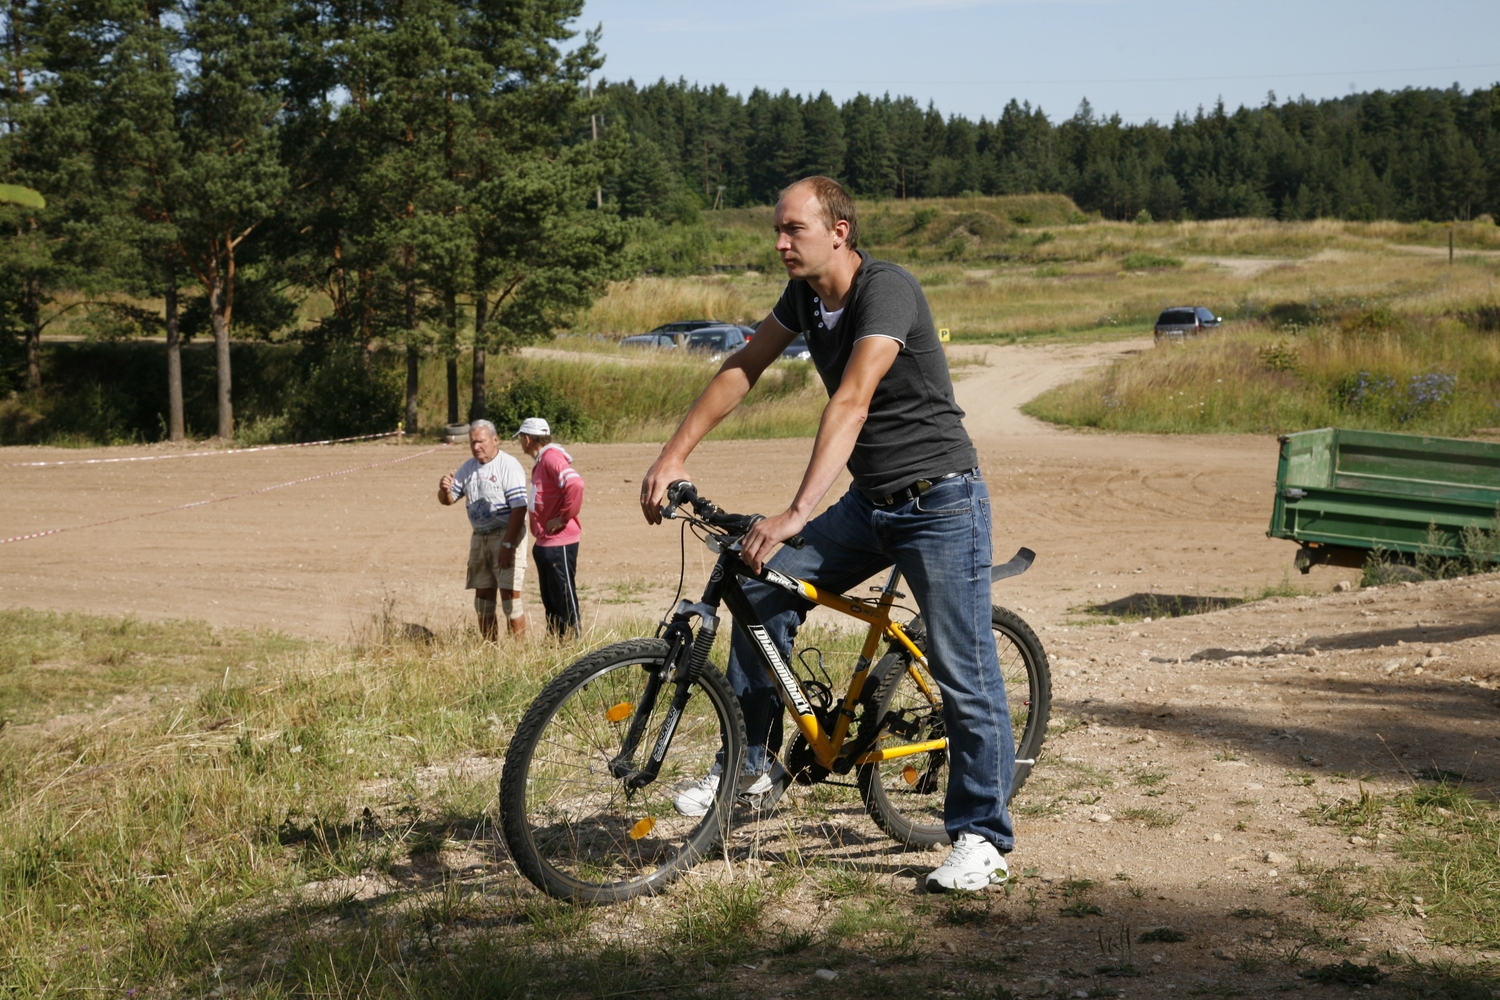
683	493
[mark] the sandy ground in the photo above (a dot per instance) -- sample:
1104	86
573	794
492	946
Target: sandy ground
1256	713
317	541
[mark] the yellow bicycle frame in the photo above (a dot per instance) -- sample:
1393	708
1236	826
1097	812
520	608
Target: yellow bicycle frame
877	614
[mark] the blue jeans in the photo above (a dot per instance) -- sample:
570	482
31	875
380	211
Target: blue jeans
941	543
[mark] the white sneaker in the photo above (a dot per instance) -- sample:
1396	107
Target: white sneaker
698	798
755	783
972	864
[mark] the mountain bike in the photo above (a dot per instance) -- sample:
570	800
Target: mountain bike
589	780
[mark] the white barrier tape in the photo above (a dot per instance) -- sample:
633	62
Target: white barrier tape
236	496
198	454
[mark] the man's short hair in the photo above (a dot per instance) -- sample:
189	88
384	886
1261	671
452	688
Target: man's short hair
834	202
483	425
542	439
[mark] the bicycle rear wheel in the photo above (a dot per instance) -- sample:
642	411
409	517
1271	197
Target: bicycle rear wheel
573	828
904	795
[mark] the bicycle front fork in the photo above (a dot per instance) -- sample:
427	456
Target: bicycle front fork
682	667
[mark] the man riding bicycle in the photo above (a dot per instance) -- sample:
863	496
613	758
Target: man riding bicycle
917	501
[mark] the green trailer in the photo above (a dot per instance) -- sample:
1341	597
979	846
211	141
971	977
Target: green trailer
1343	493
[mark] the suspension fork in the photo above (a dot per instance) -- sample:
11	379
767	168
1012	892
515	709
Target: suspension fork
684	664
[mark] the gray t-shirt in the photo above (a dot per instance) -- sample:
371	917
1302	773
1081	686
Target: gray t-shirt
915	428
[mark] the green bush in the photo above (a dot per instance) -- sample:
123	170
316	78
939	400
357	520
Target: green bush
348	394
535	396
1142	261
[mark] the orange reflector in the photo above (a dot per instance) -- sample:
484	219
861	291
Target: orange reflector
620	711
642	828
910	774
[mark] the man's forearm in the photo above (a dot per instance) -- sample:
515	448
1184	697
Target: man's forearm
516	526
838	431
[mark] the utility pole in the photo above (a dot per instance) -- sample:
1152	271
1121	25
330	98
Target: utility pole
594	127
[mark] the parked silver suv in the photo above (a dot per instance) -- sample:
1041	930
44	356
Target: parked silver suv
1180	322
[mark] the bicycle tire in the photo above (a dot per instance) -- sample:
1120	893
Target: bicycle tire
570	825
905	795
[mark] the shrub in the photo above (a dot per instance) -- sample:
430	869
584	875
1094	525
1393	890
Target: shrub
348	394
534	396
1142	261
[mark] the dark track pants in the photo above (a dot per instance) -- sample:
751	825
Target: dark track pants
555	566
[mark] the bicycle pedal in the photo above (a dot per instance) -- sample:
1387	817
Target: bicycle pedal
764	802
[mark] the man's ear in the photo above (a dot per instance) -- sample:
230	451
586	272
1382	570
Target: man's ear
841	233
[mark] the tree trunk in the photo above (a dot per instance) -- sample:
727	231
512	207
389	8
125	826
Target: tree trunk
476	391
413	355
450	308
31	320
218	317
452	389
175	427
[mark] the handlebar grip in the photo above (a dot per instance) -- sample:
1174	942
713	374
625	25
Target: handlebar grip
681	492
796	541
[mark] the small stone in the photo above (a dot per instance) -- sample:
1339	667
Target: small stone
1157	959
1435	652
1272	873
1418	670
1151	739
827	975
1342	586
1274	858
1227	956
1101	817
1358	841
1215	838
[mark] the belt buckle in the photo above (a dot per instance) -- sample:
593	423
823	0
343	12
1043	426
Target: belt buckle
921	486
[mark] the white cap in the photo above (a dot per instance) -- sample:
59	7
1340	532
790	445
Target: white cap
534	427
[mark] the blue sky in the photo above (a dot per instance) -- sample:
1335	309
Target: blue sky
1140	59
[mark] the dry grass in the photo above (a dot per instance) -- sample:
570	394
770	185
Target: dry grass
1437	377
645	303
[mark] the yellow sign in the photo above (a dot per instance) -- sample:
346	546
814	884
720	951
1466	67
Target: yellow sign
943	334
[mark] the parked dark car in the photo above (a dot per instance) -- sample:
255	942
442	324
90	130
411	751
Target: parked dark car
717	340
686	326
1180	322
797	350
650	340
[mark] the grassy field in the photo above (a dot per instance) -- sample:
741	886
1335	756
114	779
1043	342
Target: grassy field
1370	368
633	395
318	821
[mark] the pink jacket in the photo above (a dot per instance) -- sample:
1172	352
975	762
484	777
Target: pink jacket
556	492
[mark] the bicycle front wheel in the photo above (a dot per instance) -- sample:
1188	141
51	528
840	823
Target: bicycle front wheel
904	795
574	828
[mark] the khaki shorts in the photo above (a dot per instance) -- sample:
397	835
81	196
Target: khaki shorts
484	562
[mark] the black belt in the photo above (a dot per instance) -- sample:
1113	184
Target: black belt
917	488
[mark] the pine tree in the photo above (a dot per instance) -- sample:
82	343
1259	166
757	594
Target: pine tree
232	179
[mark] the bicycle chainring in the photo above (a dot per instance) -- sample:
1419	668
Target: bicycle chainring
802	764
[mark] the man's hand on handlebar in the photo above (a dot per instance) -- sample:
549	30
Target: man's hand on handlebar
663	473
766	534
